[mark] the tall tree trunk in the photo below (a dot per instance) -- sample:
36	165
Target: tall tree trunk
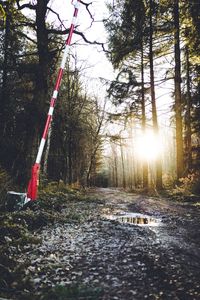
132	159
123	167
4	89
145	163
92	160
153	98
41	87
188	145
116	171
178	100
96	141
70	156
42	46
115	167
46	154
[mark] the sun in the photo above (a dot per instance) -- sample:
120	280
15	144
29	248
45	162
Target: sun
149	146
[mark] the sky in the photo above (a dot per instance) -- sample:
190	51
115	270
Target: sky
93	60
93	56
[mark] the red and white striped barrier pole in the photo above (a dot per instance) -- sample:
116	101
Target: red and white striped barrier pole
34	181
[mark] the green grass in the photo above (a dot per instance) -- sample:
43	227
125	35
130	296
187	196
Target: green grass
73	293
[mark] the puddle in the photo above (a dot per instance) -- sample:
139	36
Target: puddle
135	219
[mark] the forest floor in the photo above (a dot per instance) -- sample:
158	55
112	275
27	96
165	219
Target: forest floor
92	255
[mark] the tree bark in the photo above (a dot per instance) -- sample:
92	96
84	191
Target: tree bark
40	97
153	98
46	154
123	167
188	142
70	175
42	46
145	164
4	89
178	100
96	140
115	163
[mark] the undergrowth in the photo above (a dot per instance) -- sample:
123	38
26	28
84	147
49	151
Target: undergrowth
6	184
18	231
187	189
73	292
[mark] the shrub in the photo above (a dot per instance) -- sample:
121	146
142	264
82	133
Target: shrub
188	185
6	184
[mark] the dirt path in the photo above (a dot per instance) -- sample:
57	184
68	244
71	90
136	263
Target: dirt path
116	260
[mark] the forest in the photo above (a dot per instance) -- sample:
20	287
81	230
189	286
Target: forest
158	60
90	143
112	160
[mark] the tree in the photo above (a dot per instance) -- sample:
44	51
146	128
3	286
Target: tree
178	101
28	56
153	97
142	29
12	87
75	147
192	36
145	164
188	129
96	128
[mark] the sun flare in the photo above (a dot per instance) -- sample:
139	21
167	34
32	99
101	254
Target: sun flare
149	146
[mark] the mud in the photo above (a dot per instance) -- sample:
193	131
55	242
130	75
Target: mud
121	260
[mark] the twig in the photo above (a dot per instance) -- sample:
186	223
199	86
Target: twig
58	16
89	12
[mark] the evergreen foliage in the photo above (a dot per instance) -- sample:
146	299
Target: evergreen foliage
131	27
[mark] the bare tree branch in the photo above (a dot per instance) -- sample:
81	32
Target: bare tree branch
26	5
87	8
28	24
91	42
27	37
65	31
27	54
58	16
57	31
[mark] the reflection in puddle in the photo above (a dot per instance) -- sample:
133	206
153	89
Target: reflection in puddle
135	219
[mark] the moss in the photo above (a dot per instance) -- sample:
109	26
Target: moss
57	187
73	292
